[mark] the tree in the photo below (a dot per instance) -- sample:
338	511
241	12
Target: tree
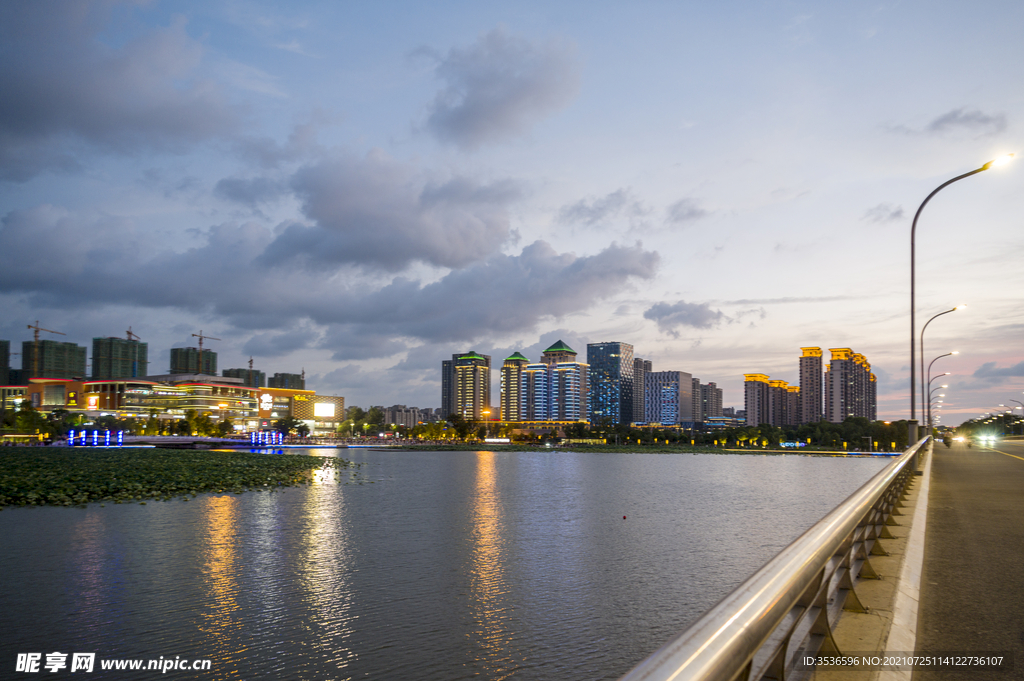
286	425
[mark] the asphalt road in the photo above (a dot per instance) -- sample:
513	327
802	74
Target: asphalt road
972	584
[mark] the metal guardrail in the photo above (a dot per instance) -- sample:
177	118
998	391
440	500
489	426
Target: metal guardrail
789	608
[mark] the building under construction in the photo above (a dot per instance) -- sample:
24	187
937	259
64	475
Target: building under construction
56	359
119	358
186	361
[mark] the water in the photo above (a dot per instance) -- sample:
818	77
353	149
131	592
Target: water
448	565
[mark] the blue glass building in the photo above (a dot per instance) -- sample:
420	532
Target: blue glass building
611	382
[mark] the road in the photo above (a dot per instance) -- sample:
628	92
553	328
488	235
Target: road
972	585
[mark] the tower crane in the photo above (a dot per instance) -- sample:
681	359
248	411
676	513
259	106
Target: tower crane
35	345
200	336
135	362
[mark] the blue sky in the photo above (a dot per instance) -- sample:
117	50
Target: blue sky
362	189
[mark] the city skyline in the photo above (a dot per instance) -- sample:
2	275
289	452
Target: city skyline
365	190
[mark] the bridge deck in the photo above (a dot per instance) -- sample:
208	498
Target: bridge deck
972	589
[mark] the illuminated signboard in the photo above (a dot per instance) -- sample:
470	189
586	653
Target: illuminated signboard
323	409
93	402
72	398
266	401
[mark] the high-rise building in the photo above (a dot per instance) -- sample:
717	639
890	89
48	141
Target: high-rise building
186	361
698	407
669	398
810	385
448	387
512	387
850	387
556	388
119	358
288	381
5	362
641	367
56	359
611	382
252	377
711	401
757	399
472	385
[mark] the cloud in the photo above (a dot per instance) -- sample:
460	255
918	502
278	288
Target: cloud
65	90
684	210
695	315
278	344
109	261
498	87
504	294
377	212
348	343
791	299
883	212
970	120
251	192
594	211
991	373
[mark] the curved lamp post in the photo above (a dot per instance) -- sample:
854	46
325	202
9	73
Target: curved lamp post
928	386
921	345
912	426
1021	406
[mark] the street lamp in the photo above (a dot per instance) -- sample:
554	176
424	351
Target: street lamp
1021	406
921	345
912	426
928	386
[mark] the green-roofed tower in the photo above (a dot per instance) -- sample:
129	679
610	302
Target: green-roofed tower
511	386
559	352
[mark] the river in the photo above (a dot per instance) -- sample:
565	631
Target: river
429	565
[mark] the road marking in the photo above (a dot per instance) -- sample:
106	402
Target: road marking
1013	455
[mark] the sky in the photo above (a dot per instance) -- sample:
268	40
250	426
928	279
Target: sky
360	190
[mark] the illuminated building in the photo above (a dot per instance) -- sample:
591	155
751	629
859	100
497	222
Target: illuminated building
669	398
850	387
448	387
512	386
186	361
641	367
611	382
119	358
472	383
810	385
57	359
756	399
556	388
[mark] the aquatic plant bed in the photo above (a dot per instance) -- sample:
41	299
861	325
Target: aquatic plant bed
59	476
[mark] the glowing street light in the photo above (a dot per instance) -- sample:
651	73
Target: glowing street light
958	307
1002	160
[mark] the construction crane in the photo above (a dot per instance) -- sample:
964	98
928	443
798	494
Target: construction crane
135	362
35	346
200	336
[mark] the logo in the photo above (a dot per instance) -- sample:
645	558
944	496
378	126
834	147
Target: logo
266	401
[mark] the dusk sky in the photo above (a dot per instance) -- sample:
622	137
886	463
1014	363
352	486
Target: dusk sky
363	189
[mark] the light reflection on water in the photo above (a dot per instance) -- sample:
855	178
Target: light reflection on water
451	565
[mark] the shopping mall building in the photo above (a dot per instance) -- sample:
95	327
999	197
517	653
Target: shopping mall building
171	396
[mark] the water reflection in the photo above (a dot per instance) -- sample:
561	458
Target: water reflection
91	582
491	613
325	569
220	619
